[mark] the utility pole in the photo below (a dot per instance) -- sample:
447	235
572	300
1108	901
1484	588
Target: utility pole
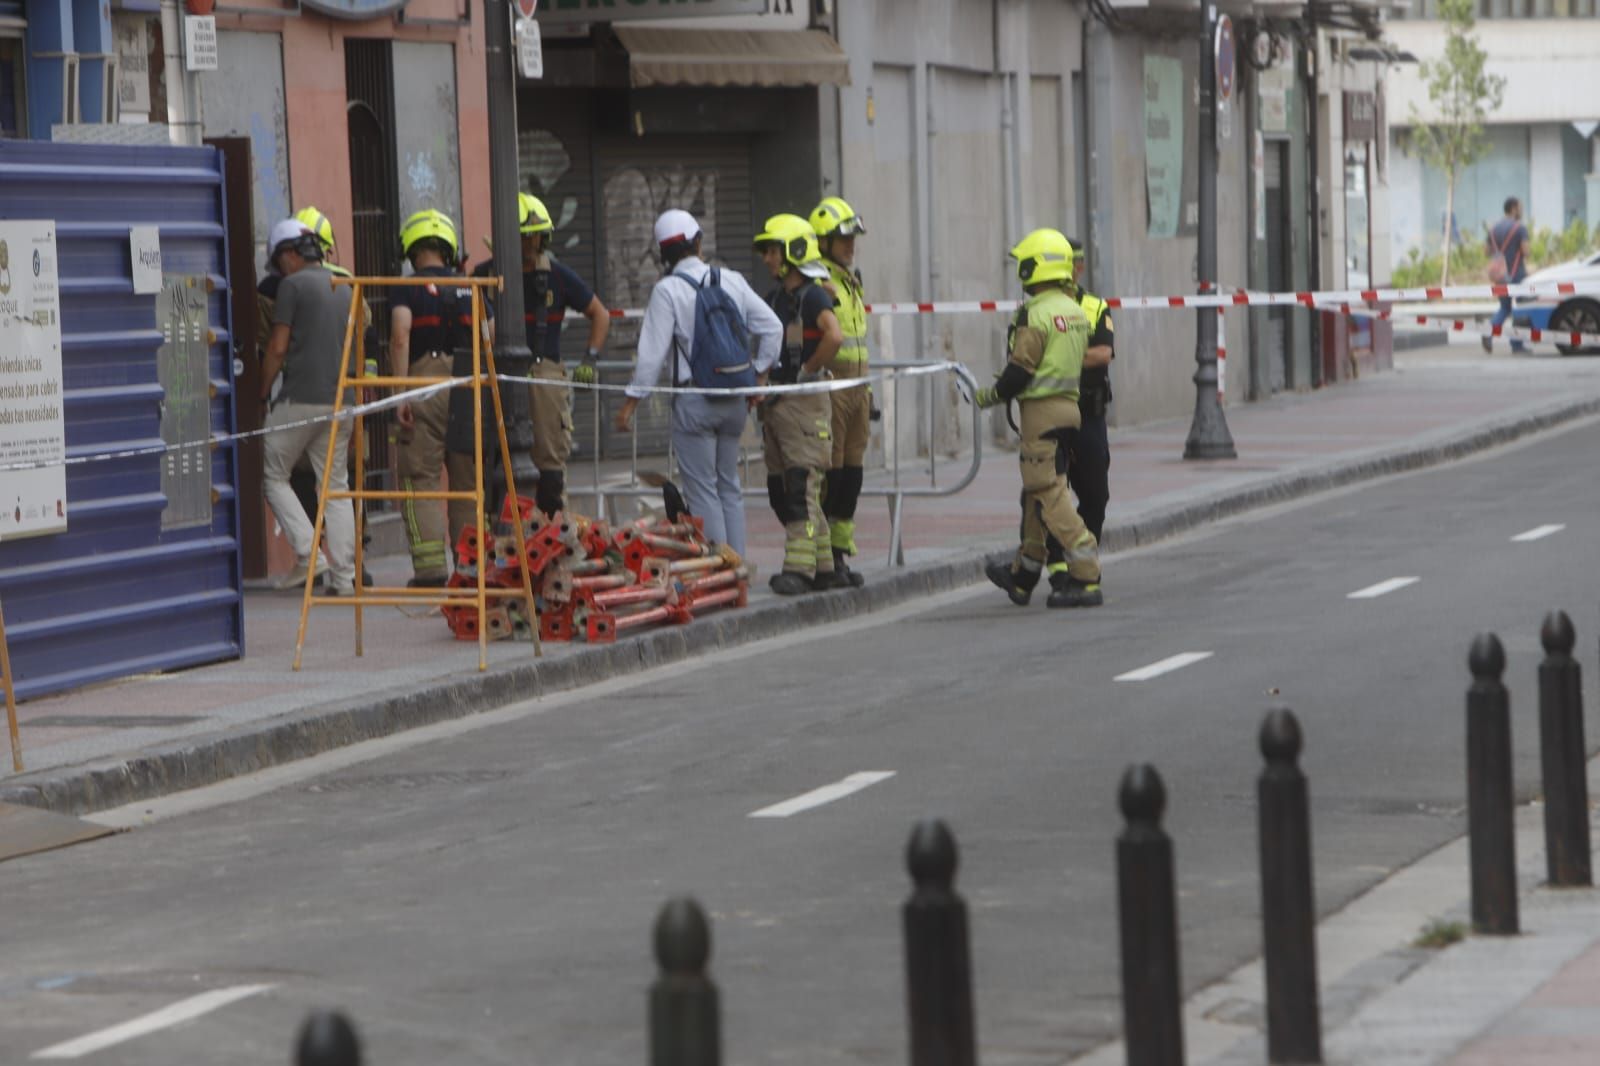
1208	433
511	354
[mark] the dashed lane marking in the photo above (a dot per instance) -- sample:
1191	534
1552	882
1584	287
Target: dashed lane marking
826	794
1537	533
1382	588
1165	666
184	1010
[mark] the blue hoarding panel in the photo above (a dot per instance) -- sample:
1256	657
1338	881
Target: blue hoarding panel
123	590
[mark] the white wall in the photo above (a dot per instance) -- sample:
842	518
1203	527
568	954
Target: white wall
1551	67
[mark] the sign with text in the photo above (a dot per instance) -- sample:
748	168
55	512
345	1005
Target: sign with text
33	432
144	246
530	49
554	11
133	65
1360	116
199	42
1163	143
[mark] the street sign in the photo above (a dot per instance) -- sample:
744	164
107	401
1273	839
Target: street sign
1225	61
527	8
199	42
530	48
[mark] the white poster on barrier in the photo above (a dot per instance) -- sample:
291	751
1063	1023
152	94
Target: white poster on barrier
33	435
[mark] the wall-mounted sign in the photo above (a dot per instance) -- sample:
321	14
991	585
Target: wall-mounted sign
1163	143
32	426
1360	116
554	11
530	49
199	42
132	34
355	10
144	245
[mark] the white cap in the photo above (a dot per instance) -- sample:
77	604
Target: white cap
290	229
814	269
674	226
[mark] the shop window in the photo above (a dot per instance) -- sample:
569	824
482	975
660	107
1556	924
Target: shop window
13	97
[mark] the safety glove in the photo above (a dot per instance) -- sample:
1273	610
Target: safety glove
585	372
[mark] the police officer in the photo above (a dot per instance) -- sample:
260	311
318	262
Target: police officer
550	288
796	429
837	226
428	324
1045	353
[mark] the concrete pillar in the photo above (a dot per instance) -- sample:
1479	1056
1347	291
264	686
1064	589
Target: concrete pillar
1546	196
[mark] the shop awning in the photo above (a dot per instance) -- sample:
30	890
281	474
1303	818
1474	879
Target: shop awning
733	57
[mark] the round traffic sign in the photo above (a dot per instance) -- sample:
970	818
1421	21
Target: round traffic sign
1225	59
526	8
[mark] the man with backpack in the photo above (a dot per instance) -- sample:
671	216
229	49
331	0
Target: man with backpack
1507	242
702	318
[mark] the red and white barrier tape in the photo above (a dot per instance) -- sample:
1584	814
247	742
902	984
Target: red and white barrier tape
1469	325
1239	298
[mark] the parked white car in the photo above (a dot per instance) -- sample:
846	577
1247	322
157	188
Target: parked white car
1564	314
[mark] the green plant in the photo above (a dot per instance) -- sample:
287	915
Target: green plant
1440	934
1463	94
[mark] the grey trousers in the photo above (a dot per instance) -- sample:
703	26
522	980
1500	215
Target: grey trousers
705	436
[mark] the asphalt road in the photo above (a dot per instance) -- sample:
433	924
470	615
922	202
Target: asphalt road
487	898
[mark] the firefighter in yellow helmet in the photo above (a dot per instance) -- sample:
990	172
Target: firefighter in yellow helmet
837	226
796	429
550	289
428	325
1044	361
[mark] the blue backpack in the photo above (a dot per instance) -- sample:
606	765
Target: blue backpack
719	357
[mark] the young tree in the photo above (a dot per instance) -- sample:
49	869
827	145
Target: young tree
1463	95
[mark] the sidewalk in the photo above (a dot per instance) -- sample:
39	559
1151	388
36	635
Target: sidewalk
146	736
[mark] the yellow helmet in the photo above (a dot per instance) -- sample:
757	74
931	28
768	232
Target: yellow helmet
317	223
835	218
429	224
531	215
1043	255
799	242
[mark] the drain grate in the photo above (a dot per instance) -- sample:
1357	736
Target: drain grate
372	782
114	721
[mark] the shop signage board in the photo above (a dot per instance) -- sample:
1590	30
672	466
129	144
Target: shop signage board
199	42
558	11
32	427
1163	143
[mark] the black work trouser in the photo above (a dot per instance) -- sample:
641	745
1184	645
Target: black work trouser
1084	456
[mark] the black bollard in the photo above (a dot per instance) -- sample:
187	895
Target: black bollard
1152	1003
685	1027
938	962
1288	909
1562	755
1491	833
327	1039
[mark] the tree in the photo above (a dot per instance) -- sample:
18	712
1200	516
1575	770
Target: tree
1463	95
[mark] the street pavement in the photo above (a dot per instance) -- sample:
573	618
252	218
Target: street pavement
142	736
482	891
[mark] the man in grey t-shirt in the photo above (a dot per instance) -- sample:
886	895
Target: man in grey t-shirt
306	344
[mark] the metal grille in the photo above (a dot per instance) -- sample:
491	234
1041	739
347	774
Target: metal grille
374	200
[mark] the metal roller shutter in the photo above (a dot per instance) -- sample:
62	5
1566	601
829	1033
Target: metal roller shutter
638	178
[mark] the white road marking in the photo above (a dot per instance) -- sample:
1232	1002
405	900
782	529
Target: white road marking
1537	533
826	794
1165	666
183	1011
1382	588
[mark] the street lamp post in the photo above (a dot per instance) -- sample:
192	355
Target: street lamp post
1208	433
511	354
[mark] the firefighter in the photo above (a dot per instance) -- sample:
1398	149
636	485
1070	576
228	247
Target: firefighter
1045	353
428	324
796	429
837	226
551	288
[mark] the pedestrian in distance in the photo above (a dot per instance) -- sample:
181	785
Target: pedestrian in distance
837	226
1044	362
309	319
703	320
550	289
796	428
428	324
1507	243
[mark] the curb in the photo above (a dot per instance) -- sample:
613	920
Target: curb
205	760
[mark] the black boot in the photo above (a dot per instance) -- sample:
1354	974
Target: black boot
1017	583
830	579
841	566
1066	591
787	583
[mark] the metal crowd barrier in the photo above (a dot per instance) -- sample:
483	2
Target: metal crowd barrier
895	493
